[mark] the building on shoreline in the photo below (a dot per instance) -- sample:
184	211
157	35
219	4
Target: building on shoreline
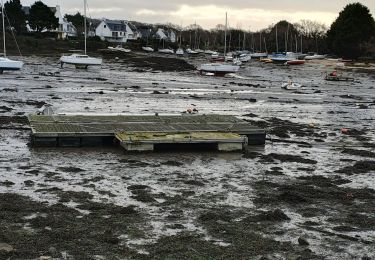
116	31
66	29
165	35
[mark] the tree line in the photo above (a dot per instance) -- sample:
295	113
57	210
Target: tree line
39	18
351	35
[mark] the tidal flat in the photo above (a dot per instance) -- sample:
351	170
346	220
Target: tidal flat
309	193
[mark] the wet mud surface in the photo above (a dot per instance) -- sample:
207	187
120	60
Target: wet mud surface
308	194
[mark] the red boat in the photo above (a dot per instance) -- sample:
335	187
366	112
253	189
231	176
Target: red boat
295	62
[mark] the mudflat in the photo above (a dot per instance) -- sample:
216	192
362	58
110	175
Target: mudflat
308	194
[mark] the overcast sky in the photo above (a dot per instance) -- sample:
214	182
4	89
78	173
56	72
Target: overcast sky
254	14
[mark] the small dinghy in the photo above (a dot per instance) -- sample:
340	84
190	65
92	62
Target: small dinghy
336	76
180	52
148	49
291	86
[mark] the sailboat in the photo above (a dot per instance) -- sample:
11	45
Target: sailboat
81	60
5	63
180	51
220	68
148	48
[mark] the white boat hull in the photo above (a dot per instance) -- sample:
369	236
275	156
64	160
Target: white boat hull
219	69
291	86
80	60
244	58
166	51
8	64
148	49
259	55
283	59
180	52
191	52
315	57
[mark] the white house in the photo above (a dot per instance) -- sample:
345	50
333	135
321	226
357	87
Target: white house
115	31
66	29
136	33
169	36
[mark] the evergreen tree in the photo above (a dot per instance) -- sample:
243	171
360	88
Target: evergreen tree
42	18
77	20
354	27
15	15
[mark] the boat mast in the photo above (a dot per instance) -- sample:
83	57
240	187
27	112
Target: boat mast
225	35
195	35
265	44
286	43
180	34
239	42
85	3
2	15
277	42
244	40
286	39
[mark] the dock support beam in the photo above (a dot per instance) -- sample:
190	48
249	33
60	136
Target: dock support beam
138	147
230	147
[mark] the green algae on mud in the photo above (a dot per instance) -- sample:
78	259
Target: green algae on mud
35	228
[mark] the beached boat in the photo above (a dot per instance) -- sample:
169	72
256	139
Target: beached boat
81	60
148	49
191	52
215	55
221	69
237	62
180	52
315	57
6	63
291	86
289	56
258	55
166	51
244	57
199	51
119	48
295	62
209	52
229	57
